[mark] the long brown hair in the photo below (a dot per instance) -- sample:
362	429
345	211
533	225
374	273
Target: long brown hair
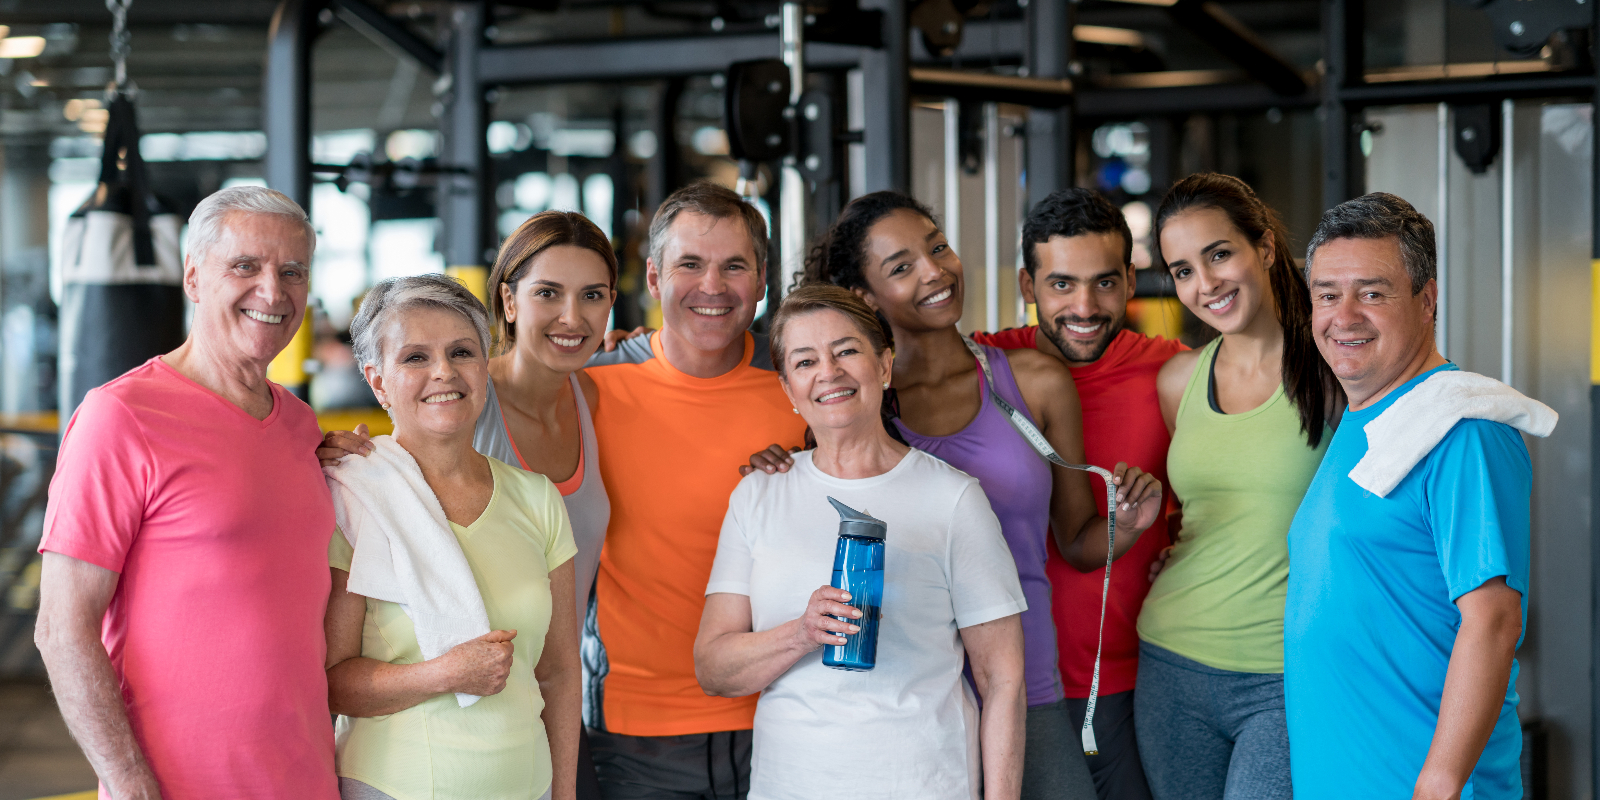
1307	378
539	233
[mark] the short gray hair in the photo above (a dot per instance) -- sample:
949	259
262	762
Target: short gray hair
397	295
1378	216
205	224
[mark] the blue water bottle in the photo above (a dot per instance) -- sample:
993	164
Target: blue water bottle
858	569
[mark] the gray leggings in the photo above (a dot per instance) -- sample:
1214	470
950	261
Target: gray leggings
1209	734
1052	759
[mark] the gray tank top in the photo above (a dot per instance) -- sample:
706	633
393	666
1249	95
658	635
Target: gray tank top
589	508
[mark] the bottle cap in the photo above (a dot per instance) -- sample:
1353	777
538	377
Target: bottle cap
855	523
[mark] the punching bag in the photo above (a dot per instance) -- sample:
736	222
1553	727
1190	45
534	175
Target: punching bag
120	271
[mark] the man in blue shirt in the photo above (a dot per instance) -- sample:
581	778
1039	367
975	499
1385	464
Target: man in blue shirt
1404	610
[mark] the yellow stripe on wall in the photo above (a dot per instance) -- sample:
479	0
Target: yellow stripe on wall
74	796
475	278
1594	322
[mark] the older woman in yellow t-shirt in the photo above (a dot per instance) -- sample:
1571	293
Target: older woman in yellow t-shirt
422	343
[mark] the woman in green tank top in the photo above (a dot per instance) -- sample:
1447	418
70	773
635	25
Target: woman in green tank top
1250	416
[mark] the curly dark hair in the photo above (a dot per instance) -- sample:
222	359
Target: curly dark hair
1072	212
842	252
1307	379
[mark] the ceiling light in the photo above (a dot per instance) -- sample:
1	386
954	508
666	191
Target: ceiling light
78	108
21	46
94	120
1100	34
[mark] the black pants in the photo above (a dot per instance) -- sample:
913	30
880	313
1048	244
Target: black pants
696	766
1117	771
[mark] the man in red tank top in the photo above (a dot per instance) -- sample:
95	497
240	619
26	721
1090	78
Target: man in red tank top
1077	256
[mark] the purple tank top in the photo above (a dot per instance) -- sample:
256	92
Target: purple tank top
1017	482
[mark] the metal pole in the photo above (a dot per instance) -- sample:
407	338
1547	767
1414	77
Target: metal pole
1051	150
886	84
792	185
1441	227
991	216
286	99
464	202
1342	30
952	173
1507	261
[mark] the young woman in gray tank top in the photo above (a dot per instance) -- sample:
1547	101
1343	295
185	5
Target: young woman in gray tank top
550	293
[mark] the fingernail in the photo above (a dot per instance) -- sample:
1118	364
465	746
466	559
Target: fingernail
855	613
847	595
855	628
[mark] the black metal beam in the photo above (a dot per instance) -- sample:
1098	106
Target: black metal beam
464	201
286	99
643	59
389	34
1215	26
886	76
1049	93
1344	55
1468	91
1214	98
1050	146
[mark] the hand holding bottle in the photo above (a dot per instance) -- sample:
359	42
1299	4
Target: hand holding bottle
819	625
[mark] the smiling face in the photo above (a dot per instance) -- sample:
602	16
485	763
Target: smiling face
1221	275
1082	288
709	281
560	306
434	375
1368	325
913	276
249	287
831	374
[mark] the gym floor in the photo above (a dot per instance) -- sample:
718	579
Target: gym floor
38	759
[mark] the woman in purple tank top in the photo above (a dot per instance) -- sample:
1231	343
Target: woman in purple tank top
886	247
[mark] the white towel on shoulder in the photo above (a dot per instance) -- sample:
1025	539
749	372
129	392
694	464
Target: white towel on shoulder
405	551
1407	431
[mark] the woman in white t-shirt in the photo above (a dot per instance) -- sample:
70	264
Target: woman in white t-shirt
910	727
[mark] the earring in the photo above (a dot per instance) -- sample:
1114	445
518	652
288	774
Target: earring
886	386
385	406
795	410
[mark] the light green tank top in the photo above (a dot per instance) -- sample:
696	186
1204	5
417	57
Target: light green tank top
1240	477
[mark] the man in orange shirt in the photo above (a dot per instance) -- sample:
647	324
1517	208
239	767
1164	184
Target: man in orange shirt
678	412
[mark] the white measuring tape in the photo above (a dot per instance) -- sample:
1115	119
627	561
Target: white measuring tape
1041	445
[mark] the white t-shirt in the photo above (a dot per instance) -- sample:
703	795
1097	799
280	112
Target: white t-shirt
908	727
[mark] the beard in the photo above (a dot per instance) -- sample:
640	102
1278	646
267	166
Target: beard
1079	351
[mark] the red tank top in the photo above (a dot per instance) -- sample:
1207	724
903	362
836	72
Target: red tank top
1121	422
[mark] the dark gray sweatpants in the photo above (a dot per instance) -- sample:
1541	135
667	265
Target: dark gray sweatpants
697	766
1052	762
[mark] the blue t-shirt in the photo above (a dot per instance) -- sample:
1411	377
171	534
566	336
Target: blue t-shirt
1371	616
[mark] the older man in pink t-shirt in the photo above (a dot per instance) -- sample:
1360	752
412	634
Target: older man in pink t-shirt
185	543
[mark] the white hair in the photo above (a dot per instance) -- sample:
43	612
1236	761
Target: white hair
205	224
401	294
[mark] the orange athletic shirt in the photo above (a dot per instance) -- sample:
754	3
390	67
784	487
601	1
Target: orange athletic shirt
670	450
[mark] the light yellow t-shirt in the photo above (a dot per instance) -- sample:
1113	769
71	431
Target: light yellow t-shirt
496	747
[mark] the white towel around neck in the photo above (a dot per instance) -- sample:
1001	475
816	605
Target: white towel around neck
405	551
1407	431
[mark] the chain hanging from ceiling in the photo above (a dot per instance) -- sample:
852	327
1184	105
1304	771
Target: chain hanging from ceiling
121	42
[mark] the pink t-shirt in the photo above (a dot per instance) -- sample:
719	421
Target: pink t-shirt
219	526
